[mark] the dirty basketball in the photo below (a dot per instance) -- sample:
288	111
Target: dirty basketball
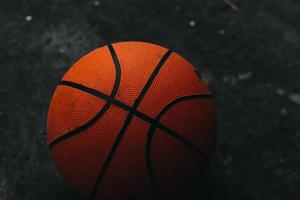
131	120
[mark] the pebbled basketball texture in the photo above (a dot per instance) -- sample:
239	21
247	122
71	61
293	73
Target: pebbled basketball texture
131	120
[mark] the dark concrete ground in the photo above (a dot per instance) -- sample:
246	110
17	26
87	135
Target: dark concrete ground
249	52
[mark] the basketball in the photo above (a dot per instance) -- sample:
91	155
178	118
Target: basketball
131	120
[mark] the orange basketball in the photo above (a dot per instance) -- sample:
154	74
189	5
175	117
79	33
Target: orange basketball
131	120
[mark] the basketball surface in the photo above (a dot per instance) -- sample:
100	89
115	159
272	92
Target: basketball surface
131	120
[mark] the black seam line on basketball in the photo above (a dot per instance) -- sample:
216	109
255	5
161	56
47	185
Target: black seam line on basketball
80	128
95	93
127	122
110	155
103	110
183	140
151	133
174	134
140	114
148	160
118	70
178	100
151	79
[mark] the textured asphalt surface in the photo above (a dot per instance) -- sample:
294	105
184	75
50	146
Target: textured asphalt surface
248	51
